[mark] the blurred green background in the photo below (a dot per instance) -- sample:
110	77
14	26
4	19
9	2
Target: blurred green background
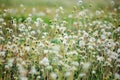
57	3
48	7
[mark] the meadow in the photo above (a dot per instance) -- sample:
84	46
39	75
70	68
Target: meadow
59	40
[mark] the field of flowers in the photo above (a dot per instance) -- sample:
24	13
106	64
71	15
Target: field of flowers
60	44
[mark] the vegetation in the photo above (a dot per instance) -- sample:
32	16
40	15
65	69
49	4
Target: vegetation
48	40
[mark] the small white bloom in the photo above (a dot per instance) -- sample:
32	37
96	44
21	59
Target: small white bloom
49	67
81	43
93	72
53	75
38	77
118	51
1	20
86	66
33	70
67	74
80	2
75	63
117	76
23	78
70	16
103	36
10	62
46	51
82	75
100	58
33	32
27	48
2	53
45	61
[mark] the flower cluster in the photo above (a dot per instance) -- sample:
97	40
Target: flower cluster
83	45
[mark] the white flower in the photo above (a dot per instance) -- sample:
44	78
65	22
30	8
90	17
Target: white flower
93	72
22	70
21	5
38	77
70	16
45	61
53	75
75	63
23	78
73	53
81	43
61	8
80	2
67	74
114	55
86	66
117	76
82	75
55	49
29	19
98	12
33	70
1	20
92	39
29	27
85	34
118	51
103	36
36	24
10	62
49	67
27	48
33	32
46	51
2	53
100	58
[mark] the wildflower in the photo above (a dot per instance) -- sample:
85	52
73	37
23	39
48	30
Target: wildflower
82	75
33	70
67	74
114	55
55	49
86	66
75	63
45	61
21	5
53	75
93	72
112	3
61	8
33	32
98	12
27	48
49	67
100	58
81	43
73	68
73	53
1	20
46	51
80	2
70	16
38	77
29	27
118	51
117	76
10	62
2	53
103	36
23	78
29	19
